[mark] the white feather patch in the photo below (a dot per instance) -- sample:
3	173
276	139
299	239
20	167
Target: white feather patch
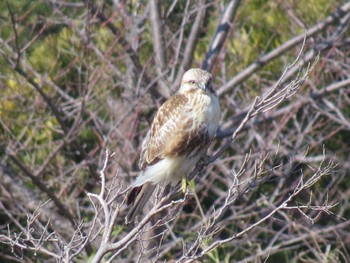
168	170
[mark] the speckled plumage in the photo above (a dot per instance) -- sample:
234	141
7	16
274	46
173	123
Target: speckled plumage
180	135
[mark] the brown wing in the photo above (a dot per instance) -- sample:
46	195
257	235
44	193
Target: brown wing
173	132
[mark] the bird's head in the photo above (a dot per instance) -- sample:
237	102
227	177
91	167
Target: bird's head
197	79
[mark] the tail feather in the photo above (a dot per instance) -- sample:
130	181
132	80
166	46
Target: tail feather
138	197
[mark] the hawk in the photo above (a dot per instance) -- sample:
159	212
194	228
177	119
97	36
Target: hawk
180	135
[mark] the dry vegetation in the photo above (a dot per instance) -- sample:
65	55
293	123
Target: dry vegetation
80	82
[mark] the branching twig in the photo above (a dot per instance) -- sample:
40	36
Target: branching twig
320	172
243	75
191	43
221	35
270	100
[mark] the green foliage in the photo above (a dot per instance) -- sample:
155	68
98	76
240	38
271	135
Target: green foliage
81	66
264	25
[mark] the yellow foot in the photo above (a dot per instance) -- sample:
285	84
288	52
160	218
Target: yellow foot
185	183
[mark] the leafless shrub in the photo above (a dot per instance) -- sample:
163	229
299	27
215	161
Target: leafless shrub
275	184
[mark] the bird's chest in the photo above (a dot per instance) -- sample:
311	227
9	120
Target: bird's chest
207	111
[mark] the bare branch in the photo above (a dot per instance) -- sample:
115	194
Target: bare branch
319	173
222	33
270	100
157	34
191	43
262	61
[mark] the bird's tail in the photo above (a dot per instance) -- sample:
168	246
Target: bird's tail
138	197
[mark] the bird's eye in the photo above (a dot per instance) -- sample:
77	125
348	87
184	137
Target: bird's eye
192	82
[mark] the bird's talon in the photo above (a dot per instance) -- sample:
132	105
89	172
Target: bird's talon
184	184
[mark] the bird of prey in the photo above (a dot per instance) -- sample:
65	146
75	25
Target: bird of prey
180	135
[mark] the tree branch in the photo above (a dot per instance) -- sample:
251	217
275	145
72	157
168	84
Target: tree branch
263	60
221	35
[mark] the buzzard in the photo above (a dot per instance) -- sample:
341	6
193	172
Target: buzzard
180	135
